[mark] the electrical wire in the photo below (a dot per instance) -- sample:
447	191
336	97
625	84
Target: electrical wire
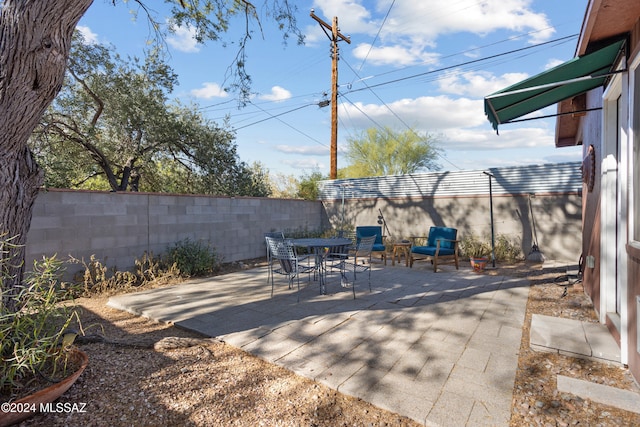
272	116
375	38
450	67
277	116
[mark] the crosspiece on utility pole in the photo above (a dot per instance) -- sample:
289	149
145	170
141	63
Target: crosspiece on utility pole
334	37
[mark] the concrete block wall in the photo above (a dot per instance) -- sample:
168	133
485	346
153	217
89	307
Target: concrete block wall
119	227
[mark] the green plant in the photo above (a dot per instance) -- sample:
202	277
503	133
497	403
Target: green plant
508	249
473	246
32	327
192	258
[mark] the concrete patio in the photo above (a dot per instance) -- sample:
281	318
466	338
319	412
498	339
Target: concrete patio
440	348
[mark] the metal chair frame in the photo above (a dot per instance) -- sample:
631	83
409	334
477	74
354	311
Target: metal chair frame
358	261
290	264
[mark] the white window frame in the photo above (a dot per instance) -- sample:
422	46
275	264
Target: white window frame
634	169
615	194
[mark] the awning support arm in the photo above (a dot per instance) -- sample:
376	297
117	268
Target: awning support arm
554	115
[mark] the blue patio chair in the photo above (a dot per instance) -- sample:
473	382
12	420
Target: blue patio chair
442	242
378	246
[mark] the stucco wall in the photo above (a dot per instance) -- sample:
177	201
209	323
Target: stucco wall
119	227
557	218
590	134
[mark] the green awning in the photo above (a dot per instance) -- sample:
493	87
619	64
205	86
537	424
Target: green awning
565	81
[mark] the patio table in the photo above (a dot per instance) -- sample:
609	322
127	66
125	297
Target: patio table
320	246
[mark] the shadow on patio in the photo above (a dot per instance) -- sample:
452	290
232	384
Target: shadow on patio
440	348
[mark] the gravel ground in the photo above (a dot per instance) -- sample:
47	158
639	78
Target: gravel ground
187	380
536	400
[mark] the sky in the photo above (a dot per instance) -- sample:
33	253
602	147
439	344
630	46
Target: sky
421	65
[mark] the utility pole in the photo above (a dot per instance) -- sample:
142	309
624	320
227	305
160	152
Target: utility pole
334	37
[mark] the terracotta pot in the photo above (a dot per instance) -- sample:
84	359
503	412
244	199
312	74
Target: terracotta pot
46	395
479	263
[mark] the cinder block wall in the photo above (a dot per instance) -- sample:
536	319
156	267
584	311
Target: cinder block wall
119	227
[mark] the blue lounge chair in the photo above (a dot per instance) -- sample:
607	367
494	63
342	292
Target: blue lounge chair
442	242
378	244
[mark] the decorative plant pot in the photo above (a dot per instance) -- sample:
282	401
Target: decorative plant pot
46	395
479	263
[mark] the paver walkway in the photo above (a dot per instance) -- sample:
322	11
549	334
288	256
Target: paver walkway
440	348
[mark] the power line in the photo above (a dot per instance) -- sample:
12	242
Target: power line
450	67
273	116
375	38
370	88
287	124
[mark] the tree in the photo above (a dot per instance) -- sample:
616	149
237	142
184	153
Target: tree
35	39
308	186
116	118
283	186
387	152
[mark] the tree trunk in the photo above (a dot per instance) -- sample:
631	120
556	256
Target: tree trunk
35	38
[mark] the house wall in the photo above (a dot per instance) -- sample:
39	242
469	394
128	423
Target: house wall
591	131
633	252
120	227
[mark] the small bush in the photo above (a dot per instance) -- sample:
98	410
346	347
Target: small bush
507	249
97	278
152	269
31	335
192	258
474	246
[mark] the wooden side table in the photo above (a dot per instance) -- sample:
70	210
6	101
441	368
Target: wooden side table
399	249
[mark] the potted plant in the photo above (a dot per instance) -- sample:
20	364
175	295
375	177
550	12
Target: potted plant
37	360
477	250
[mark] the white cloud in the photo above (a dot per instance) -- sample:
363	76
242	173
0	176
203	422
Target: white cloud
183	39
89	36
209	90
487	139
305	164
352	16
553	63
459	122
428	20
414	27
429	113
305	150
394	55
477	84
278	93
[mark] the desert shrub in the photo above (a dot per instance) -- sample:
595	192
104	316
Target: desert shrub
31	333
474	246
97	278
183	259
192	258
150	269
508	249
